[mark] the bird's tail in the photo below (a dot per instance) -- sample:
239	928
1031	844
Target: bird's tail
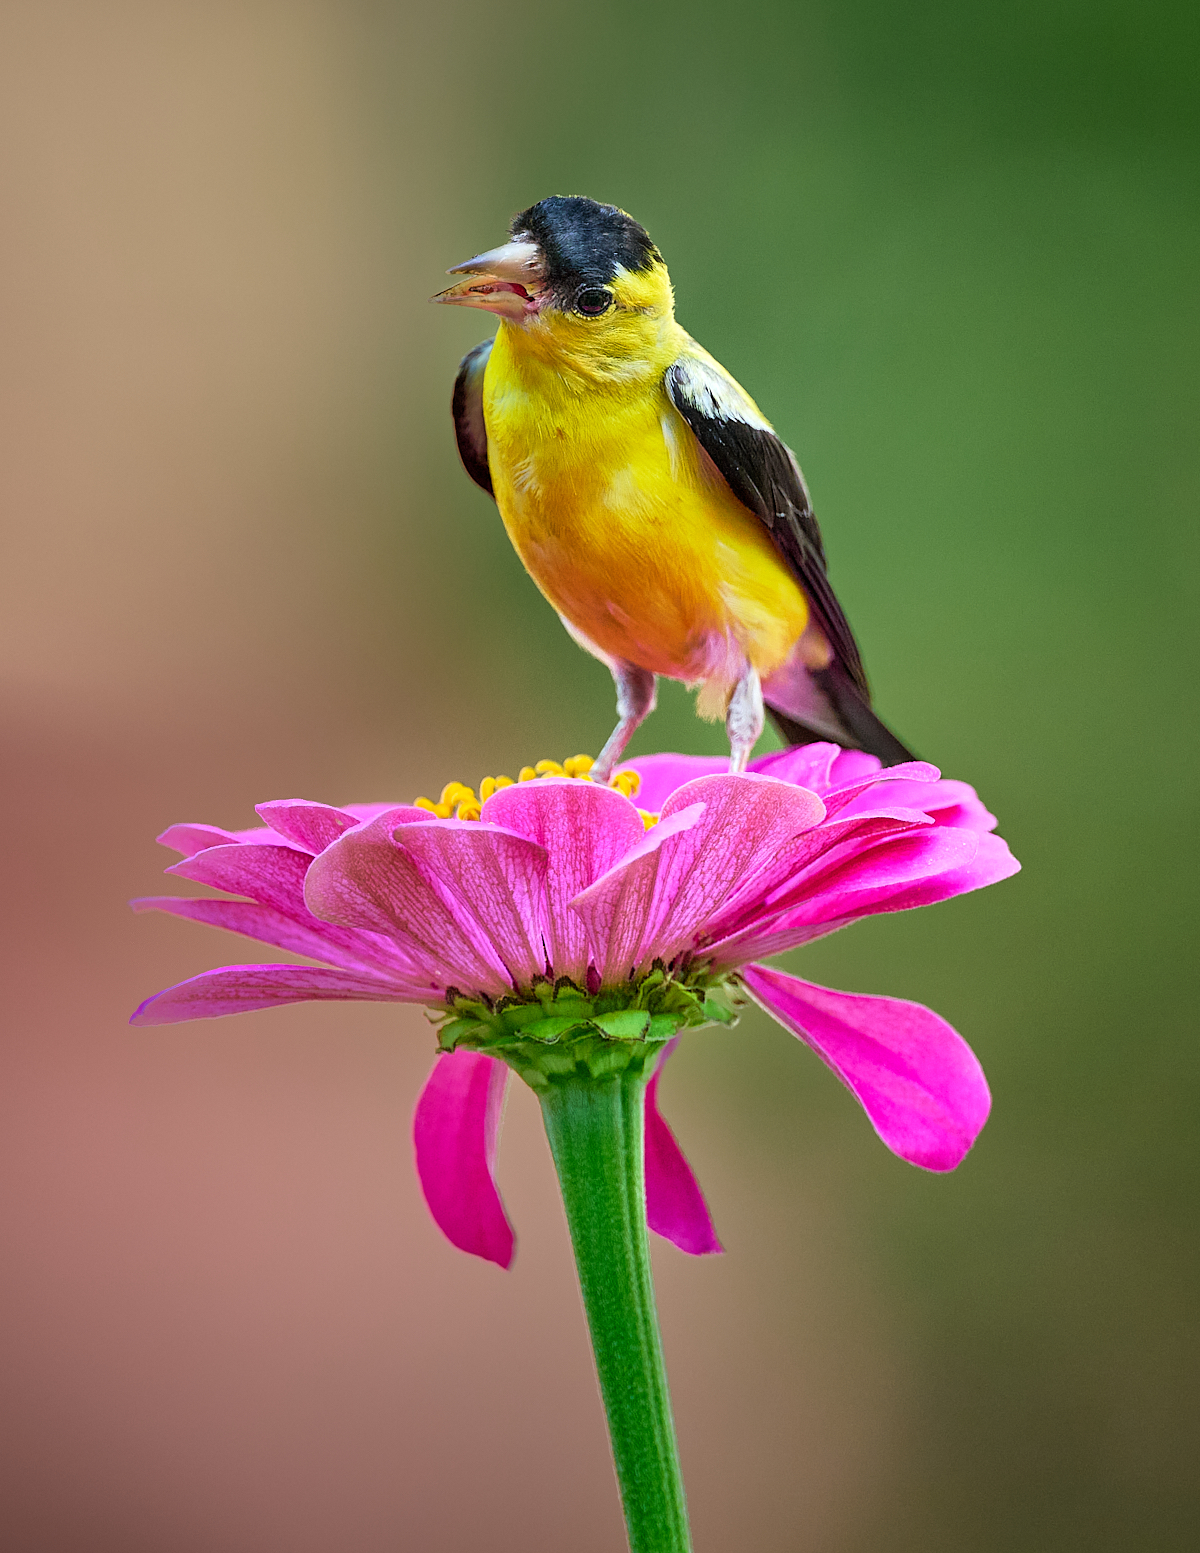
807	704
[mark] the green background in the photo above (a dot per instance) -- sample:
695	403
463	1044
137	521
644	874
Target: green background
951	251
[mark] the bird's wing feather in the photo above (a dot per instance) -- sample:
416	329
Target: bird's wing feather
467	410
763	474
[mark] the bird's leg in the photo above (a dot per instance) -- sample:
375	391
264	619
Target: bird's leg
635	702
744	719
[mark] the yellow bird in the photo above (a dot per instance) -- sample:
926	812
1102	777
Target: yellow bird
647	495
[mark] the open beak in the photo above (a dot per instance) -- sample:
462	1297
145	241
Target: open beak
506	281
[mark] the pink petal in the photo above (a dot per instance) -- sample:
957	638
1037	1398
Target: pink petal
318	940
271	875
992	862
785	877
190	839
892	873
913	1074
853	766
235	989
372	811
675	1206
884	787
274	877
309	826
947	802
492	881
956	803
584	829
657	901
455	1128
614	910
807	765
902	871
367	881
662	774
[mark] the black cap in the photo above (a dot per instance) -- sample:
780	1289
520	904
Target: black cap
582	240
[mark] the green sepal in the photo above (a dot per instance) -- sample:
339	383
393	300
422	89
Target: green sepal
624	1024
556	1029
551	1029
719	1010
450	1034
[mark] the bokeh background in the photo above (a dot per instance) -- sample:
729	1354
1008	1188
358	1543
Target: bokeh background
952	250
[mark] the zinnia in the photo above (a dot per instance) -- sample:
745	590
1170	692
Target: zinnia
556	923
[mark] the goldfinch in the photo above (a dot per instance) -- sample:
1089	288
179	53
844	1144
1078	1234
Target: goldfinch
645	492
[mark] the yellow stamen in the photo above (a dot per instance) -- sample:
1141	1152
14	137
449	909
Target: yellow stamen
459	799
649	821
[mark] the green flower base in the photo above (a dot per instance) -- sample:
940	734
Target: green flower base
558	1031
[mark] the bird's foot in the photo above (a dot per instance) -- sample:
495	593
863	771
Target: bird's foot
744	720
635	702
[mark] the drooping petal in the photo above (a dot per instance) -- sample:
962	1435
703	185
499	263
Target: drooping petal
919	1082
366	880
584	830
455	1128
492	881
657	900
662	774
236	989
675	1206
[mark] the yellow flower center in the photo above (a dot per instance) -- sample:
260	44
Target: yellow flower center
458	801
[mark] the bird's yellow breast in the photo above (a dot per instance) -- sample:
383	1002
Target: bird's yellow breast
625	526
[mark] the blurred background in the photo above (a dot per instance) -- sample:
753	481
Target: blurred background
951	249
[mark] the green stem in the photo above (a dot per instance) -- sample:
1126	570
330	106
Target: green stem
595	1127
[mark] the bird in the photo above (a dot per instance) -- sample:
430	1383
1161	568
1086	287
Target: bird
646	494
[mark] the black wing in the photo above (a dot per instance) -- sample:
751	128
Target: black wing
467	410
763	474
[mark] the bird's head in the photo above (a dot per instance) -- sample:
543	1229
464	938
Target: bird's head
577	280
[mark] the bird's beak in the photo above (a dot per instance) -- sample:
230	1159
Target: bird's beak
506	281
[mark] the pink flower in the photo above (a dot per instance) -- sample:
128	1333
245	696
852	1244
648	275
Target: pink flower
559	878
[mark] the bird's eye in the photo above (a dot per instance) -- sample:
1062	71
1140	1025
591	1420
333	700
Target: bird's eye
592	301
